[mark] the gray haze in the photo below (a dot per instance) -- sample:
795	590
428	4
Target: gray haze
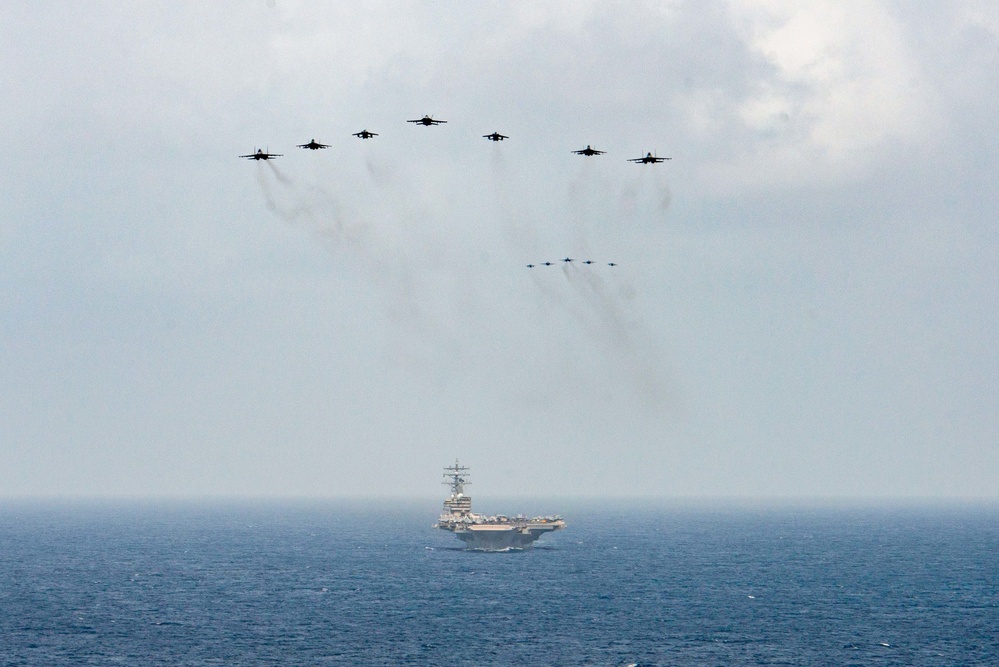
805	302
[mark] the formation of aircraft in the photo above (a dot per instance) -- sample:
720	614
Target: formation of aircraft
427	120
566	260
430	120
313	145
649	159
589	151
261	155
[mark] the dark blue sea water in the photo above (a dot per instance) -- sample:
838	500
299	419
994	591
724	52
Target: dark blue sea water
345	584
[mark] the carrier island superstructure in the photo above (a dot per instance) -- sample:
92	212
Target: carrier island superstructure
488	533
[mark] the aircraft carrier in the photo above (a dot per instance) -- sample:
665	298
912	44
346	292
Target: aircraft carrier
488	533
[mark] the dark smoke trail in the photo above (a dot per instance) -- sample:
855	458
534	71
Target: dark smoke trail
385	253
519	228
665	196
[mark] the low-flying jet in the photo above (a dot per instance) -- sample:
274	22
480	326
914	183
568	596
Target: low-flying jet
364	134
649	159
427	120
611	264
313	145
530	266
261	155
589	261
589	151
547	263
567	259
495	136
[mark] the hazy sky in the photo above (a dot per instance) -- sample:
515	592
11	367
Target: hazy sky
805	302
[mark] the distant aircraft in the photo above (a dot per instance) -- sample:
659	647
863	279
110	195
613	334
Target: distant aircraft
261	155
313	145
495	136
364	134
427	120
589	151
567	260
649	159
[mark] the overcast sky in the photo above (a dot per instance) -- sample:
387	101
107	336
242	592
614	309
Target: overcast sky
804	302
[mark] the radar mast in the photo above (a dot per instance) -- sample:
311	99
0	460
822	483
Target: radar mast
456	478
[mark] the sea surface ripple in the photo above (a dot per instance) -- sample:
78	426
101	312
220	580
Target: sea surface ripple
349	583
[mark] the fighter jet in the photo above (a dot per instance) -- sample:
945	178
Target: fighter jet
261	155
364	134
495	136
589	261
530	266
649	159
427	120
313	145
611	264
589	151
567	259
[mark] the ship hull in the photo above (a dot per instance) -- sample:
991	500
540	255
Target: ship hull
498	540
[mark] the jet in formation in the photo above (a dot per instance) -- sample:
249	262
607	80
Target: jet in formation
495	136
261	155
649	159
589	151
313	145
364	134
427	120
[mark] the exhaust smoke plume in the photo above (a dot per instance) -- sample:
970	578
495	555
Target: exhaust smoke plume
449	271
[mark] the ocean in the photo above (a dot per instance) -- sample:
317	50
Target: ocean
352	583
